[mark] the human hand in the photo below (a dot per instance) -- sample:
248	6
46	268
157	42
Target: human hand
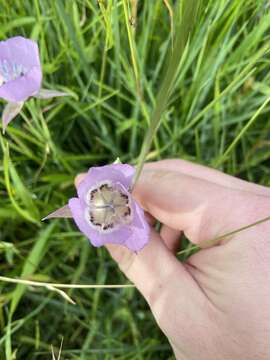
216	304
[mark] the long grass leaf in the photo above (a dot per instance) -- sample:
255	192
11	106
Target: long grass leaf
186	15
31	264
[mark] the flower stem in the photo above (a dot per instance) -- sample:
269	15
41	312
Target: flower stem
186	13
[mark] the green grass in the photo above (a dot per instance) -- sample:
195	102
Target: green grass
217	114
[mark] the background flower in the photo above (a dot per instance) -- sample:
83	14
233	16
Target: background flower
20	75
20	69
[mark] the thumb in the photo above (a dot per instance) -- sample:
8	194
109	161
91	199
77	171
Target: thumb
156	273
151	268
179	304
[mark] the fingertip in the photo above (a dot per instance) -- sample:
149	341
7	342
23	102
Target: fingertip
79	178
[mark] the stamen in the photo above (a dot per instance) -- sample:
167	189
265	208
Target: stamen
10	71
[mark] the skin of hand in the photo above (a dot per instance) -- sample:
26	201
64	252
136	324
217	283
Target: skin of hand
216	305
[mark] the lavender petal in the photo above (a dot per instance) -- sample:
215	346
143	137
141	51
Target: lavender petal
140	230
23	87
21	51
115	173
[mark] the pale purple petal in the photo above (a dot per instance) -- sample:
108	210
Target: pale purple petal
140	230
127	170
63	212
121	173
20	50
10	111
97	239
20	69
47	94
23	87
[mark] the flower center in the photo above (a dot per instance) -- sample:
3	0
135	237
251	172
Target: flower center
108	208
10	71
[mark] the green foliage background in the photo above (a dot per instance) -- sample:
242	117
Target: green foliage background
111	62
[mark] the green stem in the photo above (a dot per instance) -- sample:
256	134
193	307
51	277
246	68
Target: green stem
186	14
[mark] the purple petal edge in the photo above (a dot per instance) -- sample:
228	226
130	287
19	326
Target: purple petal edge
22	88
140	230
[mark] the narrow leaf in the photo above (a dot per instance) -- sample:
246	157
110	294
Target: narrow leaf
186	15
31	264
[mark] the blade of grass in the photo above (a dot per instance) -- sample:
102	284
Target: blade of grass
62	286
241	133
7	163
31	264
185	20
133	51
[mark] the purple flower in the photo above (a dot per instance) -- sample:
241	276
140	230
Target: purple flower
20	75
105	210
20	69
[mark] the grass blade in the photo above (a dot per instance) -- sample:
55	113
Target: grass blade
31	264
186	14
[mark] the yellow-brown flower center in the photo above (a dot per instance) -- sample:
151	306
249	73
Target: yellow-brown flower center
108	208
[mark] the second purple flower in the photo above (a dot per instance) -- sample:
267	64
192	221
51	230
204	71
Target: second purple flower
20	75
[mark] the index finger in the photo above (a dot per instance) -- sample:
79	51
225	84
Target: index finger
202	209
208	174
